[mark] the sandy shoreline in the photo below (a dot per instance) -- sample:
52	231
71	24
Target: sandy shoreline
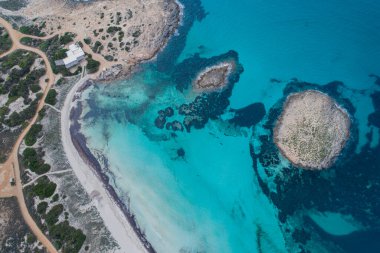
110	211
115	213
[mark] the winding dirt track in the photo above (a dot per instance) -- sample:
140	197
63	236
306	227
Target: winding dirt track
11	167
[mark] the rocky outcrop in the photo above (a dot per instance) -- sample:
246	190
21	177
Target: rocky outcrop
111	73
312	130
214	77
160	121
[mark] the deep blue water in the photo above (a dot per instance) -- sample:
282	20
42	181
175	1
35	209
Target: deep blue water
221	185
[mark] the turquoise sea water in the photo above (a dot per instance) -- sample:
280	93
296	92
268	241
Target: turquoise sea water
210	198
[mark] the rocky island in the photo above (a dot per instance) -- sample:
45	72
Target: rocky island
312	130
214	77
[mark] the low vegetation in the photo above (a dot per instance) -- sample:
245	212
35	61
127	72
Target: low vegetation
20	73
52	216
35	30
5	40
51	97
113	29
33	160
98	47
21	118
31	136
42	207
92	65
66	238
44	188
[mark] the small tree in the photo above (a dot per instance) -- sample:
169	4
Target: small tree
51	97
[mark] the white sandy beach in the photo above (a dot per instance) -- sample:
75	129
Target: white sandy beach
113	217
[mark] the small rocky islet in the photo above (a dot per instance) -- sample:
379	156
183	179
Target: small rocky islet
312	130
214	77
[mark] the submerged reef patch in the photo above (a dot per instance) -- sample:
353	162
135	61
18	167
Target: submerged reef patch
249	115
350	187
207	105
374	118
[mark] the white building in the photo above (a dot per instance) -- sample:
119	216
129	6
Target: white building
74	55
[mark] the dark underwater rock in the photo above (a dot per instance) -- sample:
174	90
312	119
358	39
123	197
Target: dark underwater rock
169	112
249	115
376	100
181	152
374	118
160	122
177	126
377	79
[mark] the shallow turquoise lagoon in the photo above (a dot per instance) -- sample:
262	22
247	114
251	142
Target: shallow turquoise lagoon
209	198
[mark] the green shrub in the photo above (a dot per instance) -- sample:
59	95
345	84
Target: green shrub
92	65
33	30
5	41
52	216
60	81
87	40
26	41
41	114
31	238
66	38
44	188
121	36
33	161
16	119
41	207
31	136
98	47
60	54
39	95
3	111
109	57
35	88
44	45
66	237
55	198
51	97
113	29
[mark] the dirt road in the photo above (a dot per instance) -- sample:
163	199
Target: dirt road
11	166
10	169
